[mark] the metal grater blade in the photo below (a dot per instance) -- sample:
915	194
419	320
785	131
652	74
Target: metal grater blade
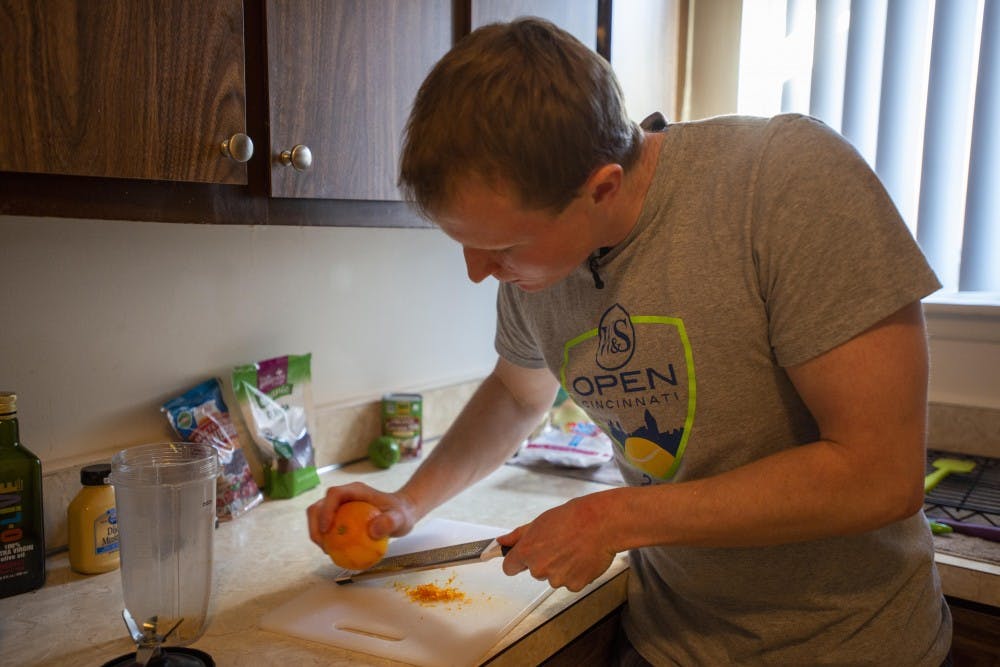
429	559
442	555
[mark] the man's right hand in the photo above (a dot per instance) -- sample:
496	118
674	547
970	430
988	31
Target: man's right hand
397	518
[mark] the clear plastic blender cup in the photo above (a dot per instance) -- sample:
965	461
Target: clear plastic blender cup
165	498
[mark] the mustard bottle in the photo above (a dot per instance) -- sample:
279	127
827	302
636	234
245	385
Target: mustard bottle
93	523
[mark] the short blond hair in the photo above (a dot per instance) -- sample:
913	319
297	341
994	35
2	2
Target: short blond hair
523	104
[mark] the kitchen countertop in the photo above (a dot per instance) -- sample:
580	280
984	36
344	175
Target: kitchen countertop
265	558
969	568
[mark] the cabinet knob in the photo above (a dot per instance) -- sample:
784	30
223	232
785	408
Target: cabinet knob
299	158
238	147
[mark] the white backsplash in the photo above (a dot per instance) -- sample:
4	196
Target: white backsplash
965	430
343	432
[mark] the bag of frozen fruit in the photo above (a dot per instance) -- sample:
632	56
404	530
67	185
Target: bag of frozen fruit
200	415
275	398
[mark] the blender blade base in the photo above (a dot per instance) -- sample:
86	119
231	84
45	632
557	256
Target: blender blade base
170	656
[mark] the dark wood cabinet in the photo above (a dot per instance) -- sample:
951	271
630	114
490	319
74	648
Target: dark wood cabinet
150	90
124	89
594	647
976	634
341	77
118	109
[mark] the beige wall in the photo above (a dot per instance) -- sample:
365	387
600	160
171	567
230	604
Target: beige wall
103	321
713	55
644	55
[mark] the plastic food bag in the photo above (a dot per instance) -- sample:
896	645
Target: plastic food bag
567	438
200	415
275	398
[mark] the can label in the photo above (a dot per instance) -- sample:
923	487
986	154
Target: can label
401	420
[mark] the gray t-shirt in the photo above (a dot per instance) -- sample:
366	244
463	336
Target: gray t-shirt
761	244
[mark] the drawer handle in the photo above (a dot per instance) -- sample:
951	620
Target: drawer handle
299	158
238	147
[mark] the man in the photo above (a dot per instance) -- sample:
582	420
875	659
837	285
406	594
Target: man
737	303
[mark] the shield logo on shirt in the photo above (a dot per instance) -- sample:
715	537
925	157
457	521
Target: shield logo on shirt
642	395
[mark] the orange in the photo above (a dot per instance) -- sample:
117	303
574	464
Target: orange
348	543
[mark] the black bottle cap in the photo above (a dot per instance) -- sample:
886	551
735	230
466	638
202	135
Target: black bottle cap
95	475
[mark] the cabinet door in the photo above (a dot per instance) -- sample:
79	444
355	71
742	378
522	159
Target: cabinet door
579	18
120	88
342	75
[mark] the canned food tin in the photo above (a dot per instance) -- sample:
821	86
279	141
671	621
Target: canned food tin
401	419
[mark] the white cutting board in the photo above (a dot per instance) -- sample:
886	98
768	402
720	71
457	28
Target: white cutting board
378	618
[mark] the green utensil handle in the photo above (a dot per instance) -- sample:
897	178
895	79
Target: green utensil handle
935	478
939	528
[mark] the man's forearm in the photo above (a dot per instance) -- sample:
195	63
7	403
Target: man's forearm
809	492
484	435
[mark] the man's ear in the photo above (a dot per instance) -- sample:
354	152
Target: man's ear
604	183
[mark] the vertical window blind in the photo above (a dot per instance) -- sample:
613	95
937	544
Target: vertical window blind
914	85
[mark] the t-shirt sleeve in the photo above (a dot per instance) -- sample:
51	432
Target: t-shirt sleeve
514	340
833	254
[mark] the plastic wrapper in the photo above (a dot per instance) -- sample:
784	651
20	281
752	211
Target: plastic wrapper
200	415
275	398
567	438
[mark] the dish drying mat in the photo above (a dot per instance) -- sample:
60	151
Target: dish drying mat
972	497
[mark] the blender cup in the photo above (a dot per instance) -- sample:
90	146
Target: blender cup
165	496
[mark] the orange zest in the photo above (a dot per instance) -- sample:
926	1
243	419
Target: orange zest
428	594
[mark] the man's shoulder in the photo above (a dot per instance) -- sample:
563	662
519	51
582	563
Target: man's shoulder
785	123
735	122
719	136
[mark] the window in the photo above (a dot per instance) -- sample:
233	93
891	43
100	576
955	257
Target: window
915	86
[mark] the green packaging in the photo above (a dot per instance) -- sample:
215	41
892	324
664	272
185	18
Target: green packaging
275	399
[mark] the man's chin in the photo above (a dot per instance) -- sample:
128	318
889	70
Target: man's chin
534	285
529	287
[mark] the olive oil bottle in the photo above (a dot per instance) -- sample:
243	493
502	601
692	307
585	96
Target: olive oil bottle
22	525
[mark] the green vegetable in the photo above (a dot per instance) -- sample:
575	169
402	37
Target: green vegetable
384	451
939	528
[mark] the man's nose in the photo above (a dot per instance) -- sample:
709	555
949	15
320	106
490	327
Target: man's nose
479	264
